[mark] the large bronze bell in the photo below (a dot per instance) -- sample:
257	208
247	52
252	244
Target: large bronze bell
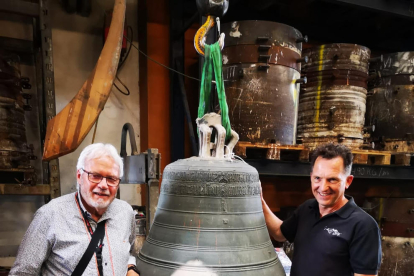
209	219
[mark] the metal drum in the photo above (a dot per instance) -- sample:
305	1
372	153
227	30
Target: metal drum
396	220
390	108
332	104
14	151
261	68
209	221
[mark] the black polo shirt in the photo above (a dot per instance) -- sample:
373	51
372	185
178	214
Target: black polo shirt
344	242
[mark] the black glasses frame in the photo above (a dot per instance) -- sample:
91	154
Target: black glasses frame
102	177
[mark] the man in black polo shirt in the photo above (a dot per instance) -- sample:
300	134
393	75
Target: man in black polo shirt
332	235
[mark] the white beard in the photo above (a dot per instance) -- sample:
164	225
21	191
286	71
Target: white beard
97	204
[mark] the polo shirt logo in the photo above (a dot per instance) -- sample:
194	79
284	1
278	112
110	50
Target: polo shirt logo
332	231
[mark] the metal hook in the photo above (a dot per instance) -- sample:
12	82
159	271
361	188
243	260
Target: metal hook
200	37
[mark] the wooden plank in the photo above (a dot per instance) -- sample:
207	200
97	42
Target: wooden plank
403	159
372	157
16	189
66	131
274	151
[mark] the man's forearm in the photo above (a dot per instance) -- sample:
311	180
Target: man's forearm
273	223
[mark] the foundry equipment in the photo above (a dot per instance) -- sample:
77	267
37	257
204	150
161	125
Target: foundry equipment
213	9
209	218
261	68
395	217
144	169
332	103
390	108
15	152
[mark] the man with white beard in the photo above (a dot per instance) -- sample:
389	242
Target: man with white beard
88	232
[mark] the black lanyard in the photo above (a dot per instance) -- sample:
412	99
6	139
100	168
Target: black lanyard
98	249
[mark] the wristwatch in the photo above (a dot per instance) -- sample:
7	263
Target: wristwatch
134	268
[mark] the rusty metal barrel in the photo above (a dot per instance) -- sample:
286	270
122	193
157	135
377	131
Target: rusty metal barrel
14	151
261	68
390	107
333	101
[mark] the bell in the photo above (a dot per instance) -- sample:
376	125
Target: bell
209	218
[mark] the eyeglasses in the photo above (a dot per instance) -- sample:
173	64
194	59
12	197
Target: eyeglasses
97	178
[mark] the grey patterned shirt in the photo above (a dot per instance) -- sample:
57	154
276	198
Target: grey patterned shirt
57	238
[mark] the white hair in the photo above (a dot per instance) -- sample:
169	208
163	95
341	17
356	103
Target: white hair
99	150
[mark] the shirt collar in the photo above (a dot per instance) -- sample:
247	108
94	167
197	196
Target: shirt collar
344	212
347	209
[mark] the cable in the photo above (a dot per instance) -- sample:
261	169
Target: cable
122	62
165	66
125	93
148	57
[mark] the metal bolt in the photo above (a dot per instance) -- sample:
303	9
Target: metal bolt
302	39
305	59
264	47
302	80
263	67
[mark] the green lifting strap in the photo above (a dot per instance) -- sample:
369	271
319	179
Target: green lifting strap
213	59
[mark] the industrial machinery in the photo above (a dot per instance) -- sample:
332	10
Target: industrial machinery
141	168
261	68
390	108
15	152
395	217
332	103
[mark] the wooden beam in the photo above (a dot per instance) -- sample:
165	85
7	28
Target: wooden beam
66	131
16	189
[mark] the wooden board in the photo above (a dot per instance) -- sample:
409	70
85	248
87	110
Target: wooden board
273	151
402	159
66	131
372	157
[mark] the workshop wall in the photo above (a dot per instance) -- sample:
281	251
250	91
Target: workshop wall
77	42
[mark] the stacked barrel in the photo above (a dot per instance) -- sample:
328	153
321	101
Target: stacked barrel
390	108
14	151
332	104
261	68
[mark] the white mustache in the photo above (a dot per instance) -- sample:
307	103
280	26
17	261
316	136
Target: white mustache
101	193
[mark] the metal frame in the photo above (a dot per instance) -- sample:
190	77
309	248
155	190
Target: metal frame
299	169
177	61
20	7
41	49
398	7
48	91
